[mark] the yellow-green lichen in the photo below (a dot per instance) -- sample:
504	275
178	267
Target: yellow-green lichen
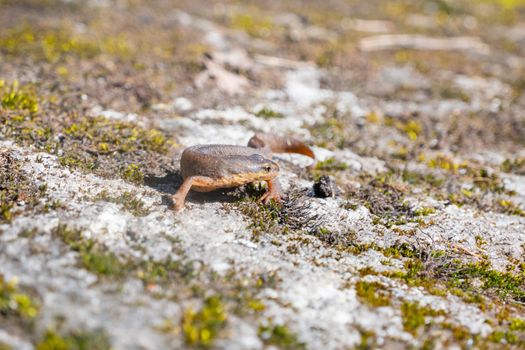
97	259
280	336
18	192
415	316
127	200
91	340
200	328
254	25
132	173
411	128
46	44
106	147
267	113
372	293
14	97
53	44
15	302
516	165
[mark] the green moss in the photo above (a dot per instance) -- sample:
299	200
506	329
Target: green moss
267	113
444	162
95	258
241	291
97	144
132	173
508	207
368	341
265	219
372	293
280	336
92	256
415	316
15	98
436	270
448	92
331	164
424	211
46	44
412	128
114	136
14	302
254	25
17	187
56	44
516	165
127	200
331	132
200	328
95	340
385	199
416	178
505	285
76	161
517	324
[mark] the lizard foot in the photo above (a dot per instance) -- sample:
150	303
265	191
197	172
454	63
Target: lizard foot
271	195
178	202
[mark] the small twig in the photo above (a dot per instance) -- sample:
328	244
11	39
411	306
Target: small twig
421	42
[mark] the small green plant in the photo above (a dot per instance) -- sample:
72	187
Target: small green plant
14	302
411	128
414	315
328	167
281	336
254	25
331	164
48	44
517	324
128	201
92	256
424	211
94	340
513	166
201	327
16	98
372	293
132	173
267	113
16	186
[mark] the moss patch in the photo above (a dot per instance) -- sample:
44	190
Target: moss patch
17	191
280	336
95	340
200	328
127	200
106	147
372	293
415	316
267	113
386	202
56	44
14	302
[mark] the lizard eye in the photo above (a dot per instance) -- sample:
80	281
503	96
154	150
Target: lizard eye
268	168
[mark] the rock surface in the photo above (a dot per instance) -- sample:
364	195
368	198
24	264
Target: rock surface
417	241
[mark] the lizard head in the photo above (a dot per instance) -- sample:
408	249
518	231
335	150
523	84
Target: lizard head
252	168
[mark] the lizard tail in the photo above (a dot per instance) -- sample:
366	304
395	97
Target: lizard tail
280	144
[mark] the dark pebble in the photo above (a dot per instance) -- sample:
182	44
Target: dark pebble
325	187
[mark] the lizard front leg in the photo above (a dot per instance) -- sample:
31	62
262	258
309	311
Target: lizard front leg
274	192
180	197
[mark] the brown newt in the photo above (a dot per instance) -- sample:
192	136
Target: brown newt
209	167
